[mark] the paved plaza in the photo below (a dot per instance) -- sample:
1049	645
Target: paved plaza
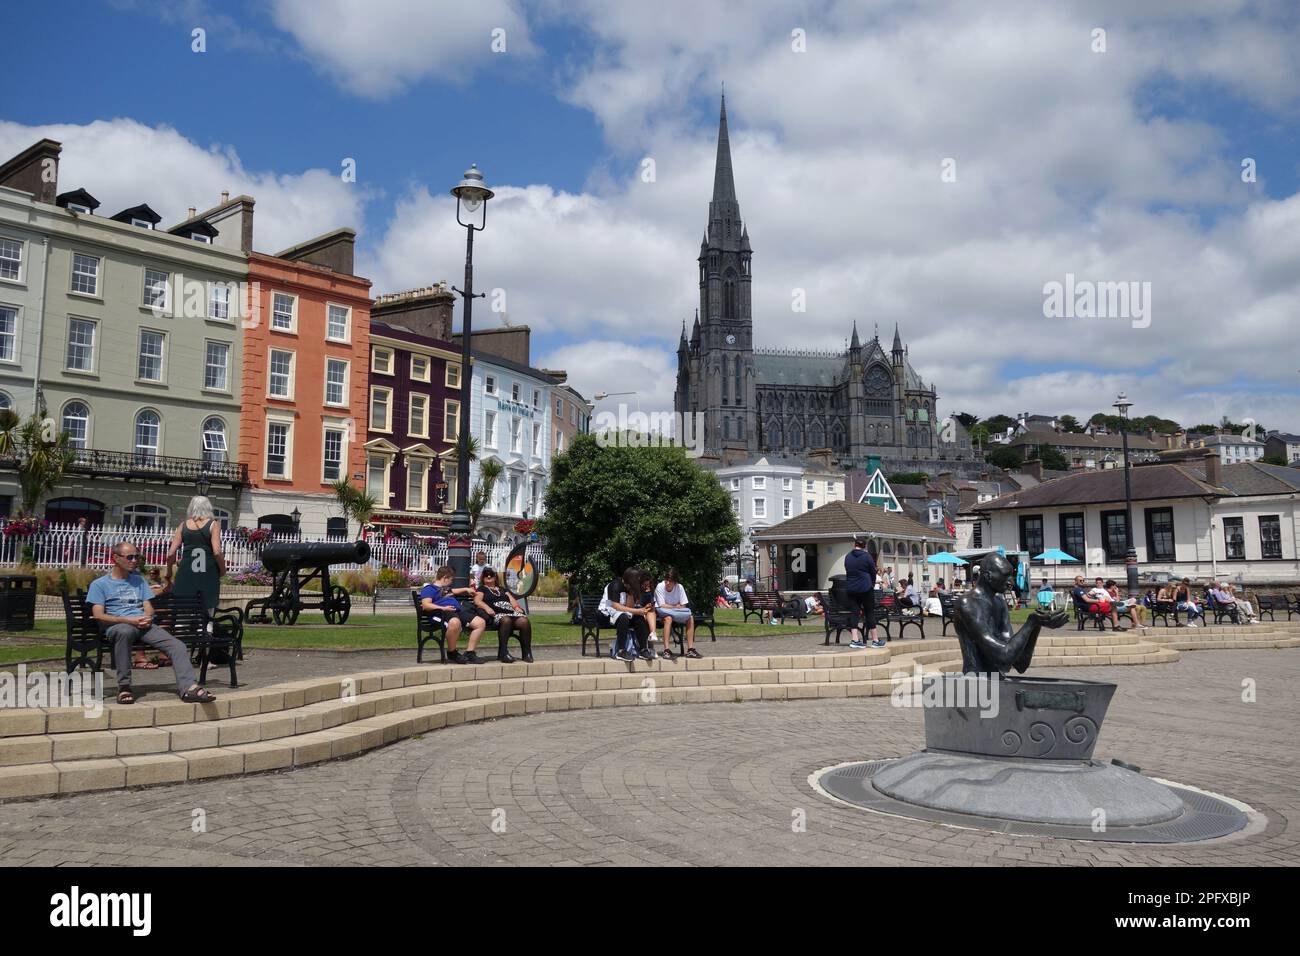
694	784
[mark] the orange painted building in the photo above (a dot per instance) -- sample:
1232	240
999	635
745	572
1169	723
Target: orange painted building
306	368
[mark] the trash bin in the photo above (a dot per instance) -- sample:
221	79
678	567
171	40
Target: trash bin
18	601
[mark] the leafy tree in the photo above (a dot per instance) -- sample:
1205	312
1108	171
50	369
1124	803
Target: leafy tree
1069	424
979	435
1052	458
1274	460
999	423
967	420
608	508
907	478
40	455
1004	456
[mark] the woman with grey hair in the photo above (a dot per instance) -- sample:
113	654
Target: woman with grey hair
195	556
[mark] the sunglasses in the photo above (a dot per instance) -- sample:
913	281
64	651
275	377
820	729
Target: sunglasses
129	557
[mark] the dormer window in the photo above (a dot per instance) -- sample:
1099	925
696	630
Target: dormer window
77	200
142	223
78	207
200	237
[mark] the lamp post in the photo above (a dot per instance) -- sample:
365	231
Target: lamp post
203	483
296	515
471	195
1122	405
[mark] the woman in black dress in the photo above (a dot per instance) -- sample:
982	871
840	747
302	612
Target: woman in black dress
499	608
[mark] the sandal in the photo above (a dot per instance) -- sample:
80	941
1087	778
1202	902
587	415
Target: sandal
124	696
197	695
144	665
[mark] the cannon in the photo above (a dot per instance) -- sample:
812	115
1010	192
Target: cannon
296	564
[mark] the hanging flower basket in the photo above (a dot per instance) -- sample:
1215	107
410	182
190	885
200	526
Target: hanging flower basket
24	526
525	526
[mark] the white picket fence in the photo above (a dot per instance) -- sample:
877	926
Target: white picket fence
62	546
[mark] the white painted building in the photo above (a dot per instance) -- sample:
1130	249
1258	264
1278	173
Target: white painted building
764	493
510	416
1194	518
1232	449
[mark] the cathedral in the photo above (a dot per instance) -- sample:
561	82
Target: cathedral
861	403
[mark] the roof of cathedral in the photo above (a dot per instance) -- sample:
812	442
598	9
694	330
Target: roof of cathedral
782	367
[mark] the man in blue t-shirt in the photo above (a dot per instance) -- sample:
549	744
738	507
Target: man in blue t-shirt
860	572
439	600
121	601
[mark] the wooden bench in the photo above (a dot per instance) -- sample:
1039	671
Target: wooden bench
948	602
1083	613
836	617
1270	604
1221	611
183	617
770	601
592	621
427	628
390	597
1163	610
703	619
890	611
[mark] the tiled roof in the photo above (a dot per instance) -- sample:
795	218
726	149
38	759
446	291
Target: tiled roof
1254	478
803	370
1072	440
1150	482
843	519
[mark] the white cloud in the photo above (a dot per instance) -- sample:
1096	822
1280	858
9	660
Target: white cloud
123	163
379	47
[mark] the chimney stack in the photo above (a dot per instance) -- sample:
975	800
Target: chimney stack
190	214
1034	467
225	196
1213	472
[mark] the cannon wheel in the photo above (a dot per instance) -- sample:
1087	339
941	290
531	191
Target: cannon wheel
285	616
339	605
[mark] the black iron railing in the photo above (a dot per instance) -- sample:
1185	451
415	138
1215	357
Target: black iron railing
125	464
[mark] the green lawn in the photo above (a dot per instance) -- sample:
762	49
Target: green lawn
380	631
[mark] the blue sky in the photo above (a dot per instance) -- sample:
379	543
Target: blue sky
1116	166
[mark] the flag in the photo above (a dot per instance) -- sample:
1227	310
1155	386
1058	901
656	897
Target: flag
949	526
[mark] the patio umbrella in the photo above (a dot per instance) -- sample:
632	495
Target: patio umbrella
945	557
1057	555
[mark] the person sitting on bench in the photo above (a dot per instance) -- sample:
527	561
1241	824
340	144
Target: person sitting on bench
1093	600
672	603
441	601
121	601
499	608
1228	601
618	604
1184	602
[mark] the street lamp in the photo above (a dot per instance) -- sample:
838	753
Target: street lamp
296	515
471	195
203	483
1122	405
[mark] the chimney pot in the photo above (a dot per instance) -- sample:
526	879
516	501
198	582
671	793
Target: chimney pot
225	195
190	214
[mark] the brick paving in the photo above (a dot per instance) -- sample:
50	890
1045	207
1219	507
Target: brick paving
695	784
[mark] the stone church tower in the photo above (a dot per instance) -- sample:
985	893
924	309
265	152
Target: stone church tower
860	402
716	369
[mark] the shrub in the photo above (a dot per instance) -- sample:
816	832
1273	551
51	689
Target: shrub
358	582
395	578
553	585
253	575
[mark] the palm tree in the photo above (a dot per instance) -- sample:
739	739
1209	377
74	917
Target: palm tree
356	505
488	473
39	454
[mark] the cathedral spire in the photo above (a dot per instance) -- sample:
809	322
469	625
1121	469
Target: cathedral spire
898	341
724	185
855	344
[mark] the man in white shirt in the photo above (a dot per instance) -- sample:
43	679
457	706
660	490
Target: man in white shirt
672	603
1228	601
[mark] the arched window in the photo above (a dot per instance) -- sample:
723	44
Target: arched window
837	436
888	548
725	365
214	442
336	529
5	400
911	437
796	436
726	427
76	422
148	432
739	392
150	517
816	437
774	435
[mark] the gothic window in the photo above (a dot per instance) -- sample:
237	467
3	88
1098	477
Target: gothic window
726	427
740	428
740	395
837	436
878	388
774	435
796	436
725	360
816	437
911	437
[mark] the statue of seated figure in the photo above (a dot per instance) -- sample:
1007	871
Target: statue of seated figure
983	623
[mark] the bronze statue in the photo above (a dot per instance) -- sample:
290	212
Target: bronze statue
983	623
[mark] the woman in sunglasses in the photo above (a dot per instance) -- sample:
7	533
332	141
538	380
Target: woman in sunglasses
499	608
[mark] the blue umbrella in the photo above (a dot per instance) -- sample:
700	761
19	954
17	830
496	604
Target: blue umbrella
1057	555
945	557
